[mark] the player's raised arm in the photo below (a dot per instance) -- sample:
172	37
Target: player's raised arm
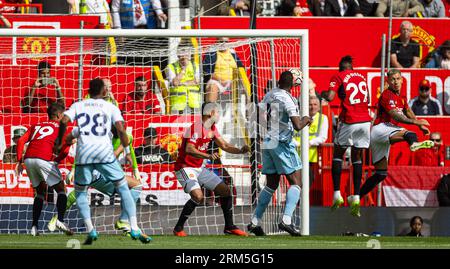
300	123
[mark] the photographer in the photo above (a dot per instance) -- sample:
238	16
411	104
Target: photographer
44	91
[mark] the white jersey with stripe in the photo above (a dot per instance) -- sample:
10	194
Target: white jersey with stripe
279	106
94	118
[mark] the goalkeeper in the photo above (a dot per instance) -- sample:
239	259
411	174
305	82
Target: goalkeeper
107	187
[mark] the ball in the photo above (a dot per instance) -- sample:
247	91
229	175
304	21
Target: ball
298	76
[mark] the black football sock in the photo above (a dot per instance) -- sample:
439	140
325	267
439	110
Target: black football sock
37	209
185	213
61	203
357	175
410	137
227	207
336	170
372	181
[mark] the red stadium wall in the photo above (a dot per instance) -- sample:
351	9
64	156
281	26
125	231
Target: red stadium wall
32	46
332	38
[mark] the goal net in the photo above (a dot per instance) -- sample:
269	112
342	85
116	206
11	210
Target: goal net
142	65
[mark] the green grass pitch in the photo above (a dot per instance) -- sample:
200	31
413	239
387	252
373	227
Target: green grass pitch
60	241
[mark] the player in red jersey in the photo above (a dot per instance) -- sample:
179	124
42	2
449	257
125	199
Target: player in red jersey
191	173
353	128
392	109
41	166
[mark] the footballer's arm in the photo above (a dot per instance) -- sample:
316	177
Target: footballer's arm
410	114
191	150
61	132
224	145
328	95
300	123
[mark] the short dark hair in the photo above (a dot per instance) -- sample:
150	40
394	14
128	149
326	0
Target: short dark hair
53	109
95	86
346	63
393	71
286	80
414	218
43	65
140	78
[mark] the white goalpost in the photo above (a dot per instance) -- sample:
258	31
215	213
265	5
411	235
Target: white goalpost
125	56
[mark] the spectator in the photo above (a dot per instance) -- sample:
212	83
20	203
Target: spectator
150	152
318	134
5	22
368	7
405	51
416	224
317	7
443	191
218	68
341	8
184	84
141	100
425	104
400	8
238	7
109	97
44	91
433	156
294	8
10	154
433	8
101	8
440	58
137	14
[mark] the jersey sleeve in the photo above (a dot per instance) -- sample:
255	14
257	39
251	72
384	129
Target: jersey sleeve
335	83
291	107
71	113
21	143
116	115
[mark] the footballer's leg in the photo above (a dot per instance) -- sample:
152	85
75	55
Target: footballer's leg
292	198
37	178
37	207
112	172
212	182
265	196
135	188
188	178
336	171
226	203
379	175
354	200
61	203
83	177
71	200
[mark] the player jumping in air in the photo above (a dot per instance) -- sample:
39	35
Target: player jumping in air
392	109
191	173
94	118
41	167
353	129
279	154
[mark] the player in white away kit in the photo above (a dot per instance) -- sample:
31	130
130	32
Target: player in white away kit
279	154
94	118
